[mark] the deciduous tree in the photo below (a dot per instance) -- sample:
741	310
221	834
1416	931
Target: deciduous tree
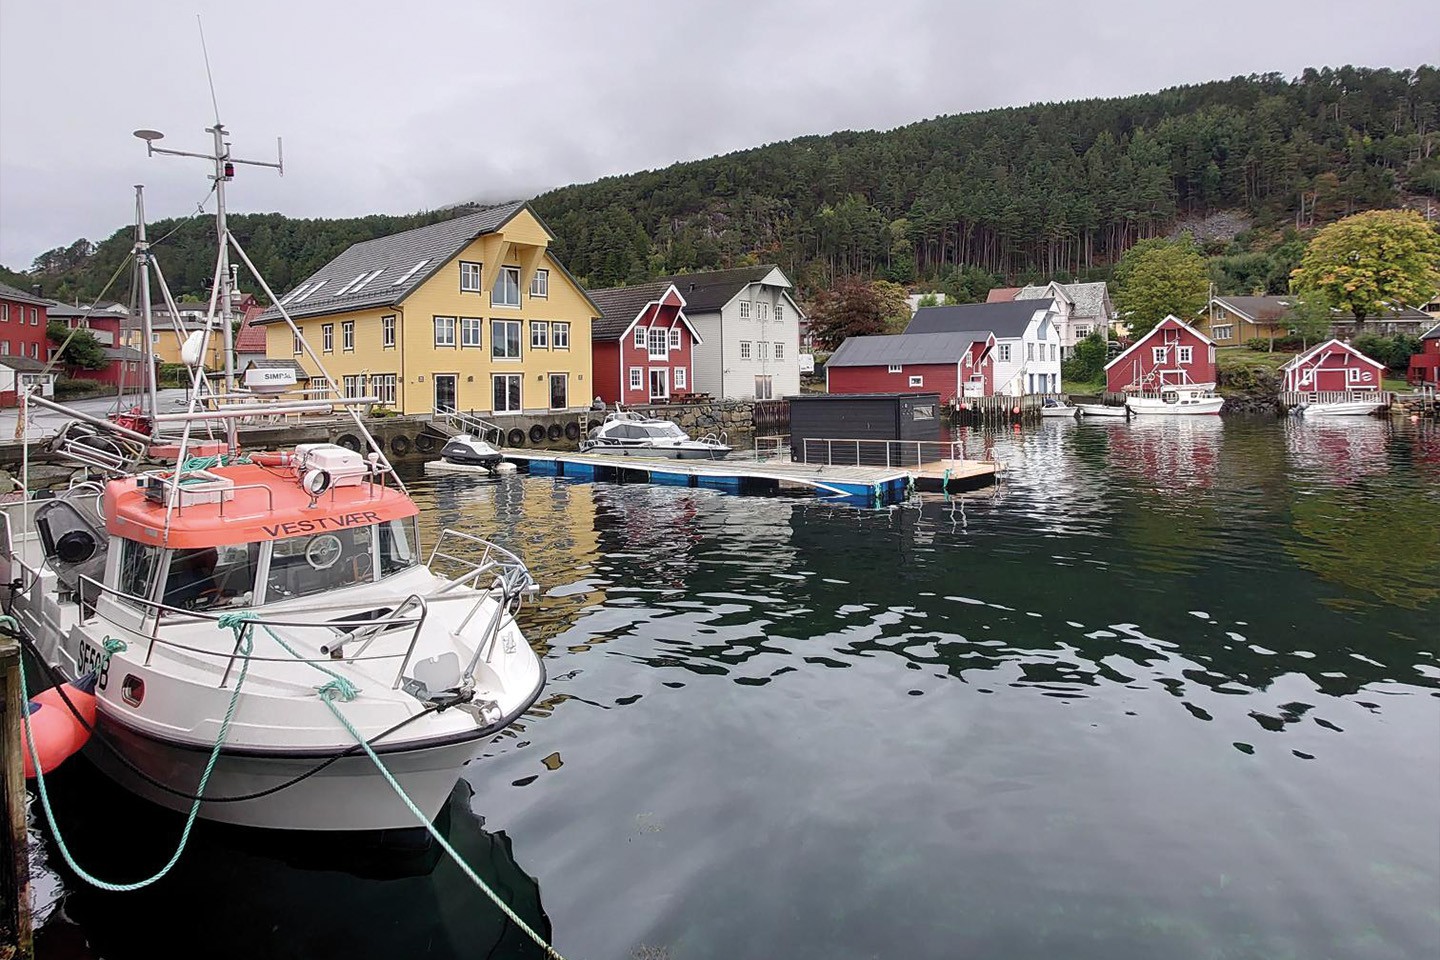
1371	260
854	308
1157	278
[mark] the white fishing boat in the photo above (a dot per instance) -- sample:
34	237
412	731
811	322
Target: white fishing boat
627	434
1186	399
258	623
1102	410
1059	408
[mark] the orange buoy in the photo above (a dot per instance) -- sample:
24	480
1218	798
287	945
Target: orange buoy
58	734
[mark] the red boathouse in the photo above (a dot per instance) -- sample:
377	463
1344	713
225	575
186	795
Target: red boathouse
954	365
1332	367
1171	354
1425	366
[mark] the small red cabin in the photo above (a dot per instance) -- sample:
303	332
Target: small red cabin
1172	354
954	365
642	345
1332	367
1425	366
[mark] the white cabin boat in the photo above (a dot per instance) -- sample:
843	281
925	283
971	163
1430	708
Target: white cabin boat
1059	408
1357	404
1185	399
1102	410
627	434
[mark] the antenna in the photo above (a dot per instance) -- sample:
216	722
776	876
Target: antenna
208	75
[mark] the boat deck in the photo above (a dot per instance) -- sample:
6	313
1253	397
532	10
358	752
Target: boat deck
738	475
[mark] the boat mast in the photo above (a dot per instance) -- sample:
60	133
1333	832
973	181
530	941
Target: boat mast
142	270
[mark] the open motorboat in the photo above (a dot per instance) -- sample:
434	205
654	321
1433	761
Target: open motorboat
469	450
1059	408
1186	399
1102	410
1358	404
627	434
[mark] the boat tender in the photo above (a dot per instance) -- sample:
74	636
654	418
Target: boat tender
470	450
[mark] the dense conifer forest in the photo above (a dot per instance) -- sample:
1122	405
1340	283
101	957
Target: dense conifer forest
1058	189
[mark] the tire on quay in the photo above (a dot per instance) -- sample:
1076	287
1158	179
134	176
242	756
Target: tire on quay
572	430
349	441
424	443
516	437
554	432
399	444
537	433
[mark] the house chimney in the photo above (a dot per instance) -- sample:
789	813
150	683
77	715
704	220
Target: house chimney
36	289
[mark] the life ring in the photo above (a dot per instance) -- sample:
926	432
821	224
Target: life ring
349	441
516	437
400	444
424	443
554	432
537	433
572	431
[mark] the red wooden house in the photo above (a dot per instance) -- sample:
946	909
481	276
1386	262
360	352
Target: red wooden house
642	344
954	365
1171	354
1425	366
23	346
1332	367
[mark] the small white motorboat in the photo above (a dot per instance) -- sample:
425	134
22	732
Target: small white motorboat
1102	410
1359	405
468	450
626	434
1059	408
1188	399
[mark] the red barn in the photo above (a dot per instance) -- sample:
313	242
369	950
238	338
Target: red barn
1171	354
954	365
1332	367
1425	365
642	345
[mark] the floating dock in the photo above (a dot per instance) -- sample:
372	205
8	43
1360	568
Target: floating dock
865	484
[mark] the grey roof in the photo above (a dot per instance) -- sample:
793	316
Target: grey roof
395	257
1432	334
620	305
1259	309
123	353
22	364
262	363
1089	298
62	311
8	292
1006	319
708	292
905	348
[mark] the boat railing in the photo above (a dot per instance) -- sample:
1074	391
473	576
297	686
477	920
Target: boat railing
876	453
350	628
511	575
1293	398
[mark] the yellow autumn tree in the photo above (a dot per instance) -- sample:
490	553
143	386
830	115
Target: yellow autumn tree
1371	260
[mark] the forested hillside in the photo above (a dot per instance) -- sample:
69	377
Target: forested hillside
1052	189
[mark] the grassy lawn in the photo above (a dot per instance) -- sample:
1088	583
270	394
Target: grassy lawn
1080	387
1235	358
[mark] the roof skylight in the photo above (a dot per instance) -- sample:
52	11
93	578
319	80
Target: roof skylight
411	272
361	285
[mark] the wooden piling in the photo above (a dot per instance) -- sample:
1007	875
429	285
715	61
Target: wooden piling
15	932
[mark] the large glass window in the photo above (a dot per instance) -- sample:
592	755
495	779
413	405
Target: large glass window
137	568
505	339
506	393
507	288
209	577
304	566
470	331
397	546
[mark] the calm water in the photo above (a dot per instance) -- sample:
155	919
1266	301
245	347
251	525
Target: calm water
1171	691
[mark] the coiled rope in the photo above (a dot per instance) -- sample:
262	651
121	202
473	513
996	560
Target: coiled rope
112	647
341	689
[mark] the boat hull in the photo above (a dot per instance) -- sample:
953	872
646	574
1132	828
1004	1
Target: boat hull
1059	411
1102	410
1362	409
1200	408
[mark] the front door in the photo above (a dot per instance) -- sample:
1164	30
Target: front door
445	387
659	383
559	391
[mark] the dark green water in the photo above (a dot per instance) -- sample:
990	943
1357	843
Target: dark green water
1171	691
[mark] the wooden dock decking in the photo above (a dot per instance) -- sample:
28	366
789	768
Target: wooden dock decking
737	475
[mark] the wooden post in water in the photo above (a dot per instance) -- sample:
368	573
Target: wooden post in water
14	846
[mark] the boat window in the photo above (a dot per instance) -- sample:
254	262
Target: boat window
207	578
397	546
303	566
667	431
138	564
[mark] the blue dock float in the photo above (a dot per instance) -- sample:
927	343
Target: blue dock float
865	485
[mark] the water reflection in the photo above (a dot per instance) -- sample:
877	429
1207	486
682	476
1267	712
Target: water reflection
1337	449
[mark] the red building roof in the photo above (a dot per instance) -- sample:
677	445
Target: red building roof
251	338
1001	294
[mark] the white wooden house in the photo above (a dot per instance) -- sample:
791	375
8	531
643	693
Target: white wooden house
1027	341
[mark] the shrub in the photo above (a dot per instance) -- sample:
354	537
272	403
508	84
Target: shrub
70	388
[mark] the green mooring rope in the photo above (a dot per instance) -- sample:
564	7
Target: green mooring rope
340	688
113	646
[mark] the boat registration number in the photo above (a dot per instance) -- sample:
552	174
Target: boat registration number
93	658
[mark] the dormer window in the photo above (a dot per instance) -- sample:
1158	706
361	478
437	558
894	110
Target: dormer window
469	277
507	288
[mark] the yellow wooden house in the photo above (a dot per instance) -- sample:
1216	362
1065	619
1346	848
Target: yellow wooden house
470	314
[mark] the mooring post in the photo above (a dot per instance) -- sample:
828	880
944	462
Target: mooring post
15	933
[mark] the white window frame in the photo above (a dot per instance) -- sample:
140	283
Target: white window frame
1053	349
658	344
895	368
560	335
679	379
1157	354
779	350
1081	331
500	279
446	324
1029	352
1187	354
744	309
640	334
744	349
299	344
4	313
349	386
1224	332
496	342
764	311
637	378
472	329
674	338
917	380
499	376
539	335
347	336
540	284
768	383
1354	375
387	331
327	337
779	313
1003	352
384	386
472	277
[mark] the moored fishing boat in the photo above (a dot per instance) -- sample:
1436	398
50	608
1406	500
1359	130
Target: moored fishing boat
1059	408
1186	399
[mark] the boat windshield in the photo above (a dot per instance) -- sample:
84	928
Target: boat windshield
304	566
665	431
205	578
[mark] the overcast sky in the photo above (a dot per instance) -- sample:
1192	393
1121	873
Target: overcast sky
397	107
